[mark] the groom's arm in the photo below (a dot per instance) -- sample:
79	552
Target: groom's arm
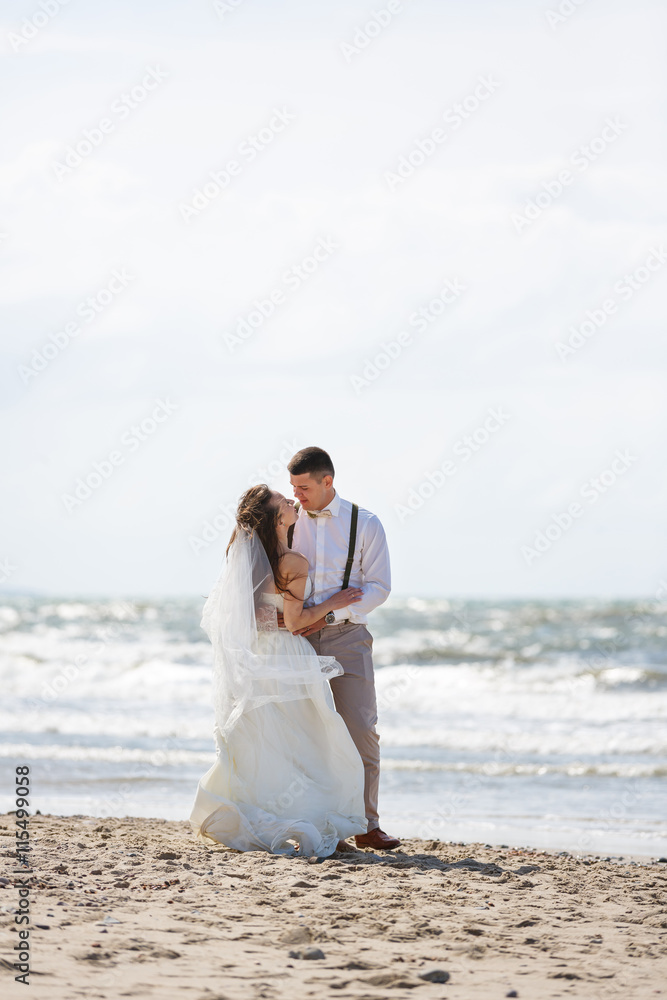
375	570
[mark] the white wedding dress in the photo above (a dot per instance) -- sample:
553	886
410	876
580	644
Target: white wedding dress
288	772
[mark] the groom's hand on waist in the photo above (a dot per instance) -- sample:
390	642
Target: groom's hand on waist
315	627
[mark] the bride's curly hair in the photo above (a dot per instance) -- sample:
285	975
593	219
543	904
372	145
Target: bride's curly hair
257	512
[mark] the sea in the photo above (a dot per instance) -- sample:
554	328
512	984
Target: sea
524	723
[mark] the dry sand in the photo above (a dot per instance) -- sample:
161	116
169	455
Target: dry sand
137	907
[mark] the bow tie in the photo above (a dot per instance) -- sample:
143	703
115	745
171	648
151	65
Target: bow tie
318	513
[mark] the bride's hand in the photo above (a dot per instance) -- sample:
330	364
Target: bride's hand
345	597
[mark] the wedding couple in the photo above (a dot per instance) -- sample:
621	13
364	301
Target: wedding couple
298	762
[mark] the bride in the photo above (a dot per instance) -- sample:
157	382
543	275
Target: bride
287	777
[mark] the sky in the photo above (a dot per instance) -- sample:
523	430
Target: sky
428	236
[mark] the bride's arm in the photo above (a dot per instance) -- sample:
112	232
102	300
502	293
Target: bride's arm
294	568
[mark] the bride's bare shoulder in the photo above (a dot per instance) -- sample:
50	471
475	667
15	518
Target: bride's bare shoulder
294	564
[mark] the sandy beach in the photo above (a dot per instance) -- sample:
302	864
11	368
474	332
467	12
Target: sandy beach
123	907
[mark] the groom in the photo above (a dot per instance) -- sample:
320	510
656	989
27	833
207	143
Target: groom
333	535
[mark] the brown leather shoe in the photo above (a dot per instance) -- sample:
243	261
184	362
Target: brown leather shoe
377	839
344	848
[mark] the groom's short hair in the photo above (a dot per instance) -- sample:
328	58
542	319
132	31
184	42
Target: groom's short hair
315	461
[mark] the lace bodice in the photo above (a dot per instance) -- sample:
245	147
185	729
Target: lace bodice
278	601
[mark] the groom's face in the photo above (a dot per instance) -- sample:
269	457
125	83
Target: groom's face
312	493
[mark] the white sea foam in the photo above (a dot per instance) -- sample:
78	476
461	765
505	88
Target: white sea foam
112	755
170	757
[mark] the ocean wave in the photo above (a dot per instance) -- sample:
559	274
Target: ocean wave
46	665
183	757
413	630
111	755
468	676
563	738
170	723
615	690
494	768
432	647
427	736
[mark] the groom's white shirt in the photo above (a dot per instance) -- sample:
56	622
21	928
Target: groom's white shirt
324	541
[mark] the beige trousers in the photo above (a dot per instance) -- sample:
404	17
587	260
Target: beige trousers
354	697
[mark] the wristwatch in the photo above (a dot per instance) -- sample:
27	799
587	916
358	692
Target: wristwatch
330	618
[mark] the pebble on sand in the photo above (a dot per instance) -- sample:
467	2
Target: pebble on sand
434	976
308	953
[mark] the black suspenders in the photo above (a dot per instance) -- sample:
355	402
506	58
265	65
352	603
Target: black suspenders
353	542
351	547
290	530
